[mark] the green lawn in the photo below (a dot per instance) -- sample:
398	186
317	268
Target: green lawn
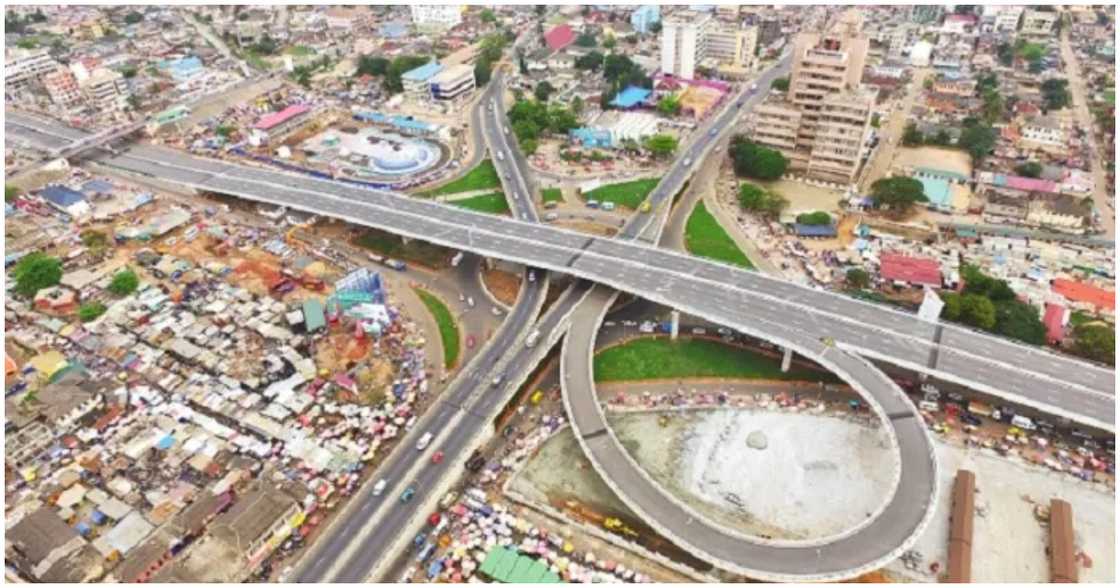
493	203
551	195
255	60
1080	317
299	50
480	178
652	358
415	251
1110	97
628	194
704	237
448	330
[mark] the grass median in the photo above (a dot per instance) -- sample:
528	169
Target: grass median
414	251
628	194
655	358
705	237
552	195
482	177
495	203
448	329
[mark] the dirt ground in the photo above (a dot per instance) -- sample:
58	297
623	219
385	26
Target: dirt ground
503	285
936	157
804	197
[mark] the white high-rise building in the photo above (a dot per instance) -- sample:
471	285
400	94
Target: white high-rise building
435	15
684	38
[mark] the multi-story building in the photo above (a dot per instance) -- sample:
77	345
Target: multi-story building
24	66
1038	22
106	89
769	30
821	124
62	87
684	37
644	17
1043	133
443	16
730	43
417	82
455	81
927	13
1003	18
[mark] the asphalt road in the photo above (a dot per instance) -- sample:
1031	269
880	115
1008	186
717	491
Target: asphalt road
1033	376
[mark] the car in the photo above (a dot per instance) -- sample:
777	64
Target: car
497	381
462	297
448	499
379	487
494	310
470	301
646	206
970	419
408	494
713	132
470	341
532	276
476	461
437	457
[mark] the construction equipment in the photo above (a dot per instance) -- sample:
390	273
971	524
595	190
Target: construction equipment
617	526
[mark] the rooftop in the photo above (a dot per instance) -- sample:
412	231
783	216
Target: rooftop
423	73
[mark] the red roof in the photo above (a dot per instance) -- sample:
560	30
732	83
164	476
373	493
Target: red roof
1053	319
912	270
1082	292
559	37
270	120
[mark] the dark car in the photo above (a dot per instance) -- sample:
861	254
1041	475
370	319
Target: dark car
970	419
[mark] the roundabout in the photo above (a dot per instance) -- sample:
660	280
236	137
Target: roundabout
370	153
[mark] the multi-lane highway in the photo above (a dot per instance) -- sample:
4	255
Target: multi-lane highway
1079	390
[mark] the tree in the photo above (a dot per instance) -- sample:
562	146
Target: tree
655	28
1096	342
669	105
858	278
952	309
897	194
128	71
36	271
592	61
133	101
586	40
27	43
95	241
224	131
487	16
90	311
609	42
1055	93
482	72
780	84
543	91
875	122
133	17
10	192
911	136
661	145
1030	169
371	65
392	83
977	311
1018	320
978	140
576	105
762	202
1006	54
755	161
124	282
528	146
819	217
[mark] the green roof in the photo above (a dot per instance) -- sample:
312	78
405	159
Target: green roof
313	317
508	566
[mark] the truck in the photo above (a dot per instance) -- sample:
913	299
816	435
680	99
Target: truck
531	340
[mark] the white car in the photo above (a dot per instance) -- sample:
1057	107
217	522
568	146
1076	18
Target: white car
495	311
379	487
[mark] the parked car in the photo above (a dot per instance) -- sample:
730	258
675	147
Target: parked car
408	494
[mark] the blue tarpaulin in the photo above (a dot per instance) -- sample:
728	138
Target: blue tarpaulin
166	443
630	97
62	196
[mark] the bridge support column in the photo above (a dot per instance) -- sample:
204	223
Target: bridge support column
675	325
787	358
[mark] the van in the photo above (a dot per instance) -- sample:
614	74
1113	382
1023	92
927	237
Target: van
424	441
551	216
1022	422
379	487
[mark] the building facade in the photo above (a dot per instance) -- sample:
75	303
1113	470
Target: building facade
443	16
644	17
1038	22
453	82
62	87
684	38
22	67
106	89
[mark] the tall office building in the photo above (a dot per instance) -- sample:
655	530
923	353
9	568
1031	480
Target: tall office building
684	37
821	123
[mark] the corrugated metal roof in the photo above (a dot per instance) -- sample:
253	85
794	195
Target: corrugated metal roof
62	196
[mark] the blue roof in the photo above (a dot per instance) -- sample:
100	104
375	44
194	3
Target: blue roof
62	196
422	73
814	230
630	97
937	191
97	187
394	29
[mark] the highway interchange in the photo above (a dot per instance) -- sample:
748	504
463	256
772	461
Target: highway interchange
817	324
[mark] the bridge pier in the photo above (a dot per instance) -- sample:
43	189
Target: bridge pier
787	358
675	325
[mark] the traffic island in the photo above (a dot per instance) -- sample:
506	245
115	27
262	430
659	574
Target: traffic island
448	328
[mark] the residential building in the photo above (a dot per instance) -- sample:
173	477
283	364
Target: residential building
959	24
453	82
348	18
769	30
1061	213
1038	22
825	103
62	87
927	13
443	16
106	89
1004	18
921	54
731	43
644	17
24	66
43	546
559	37
275	124
684	38
253	524
1044	133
